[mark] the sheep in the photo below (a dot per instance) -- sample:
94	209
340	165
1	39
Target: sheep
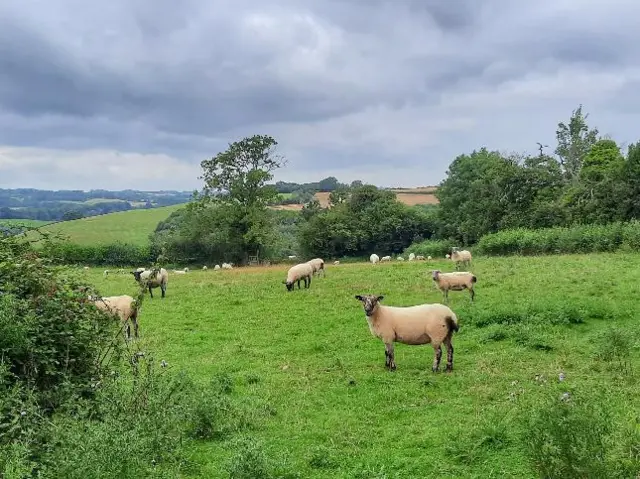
374	258
216	267
86	268
179	271
318	265
301	271
400	258
292	256
160	278
429	258
412	325
412	256
227	265
124	306
385	258
419	258
204	268
336	262
459	257
447	256
456	281
106	273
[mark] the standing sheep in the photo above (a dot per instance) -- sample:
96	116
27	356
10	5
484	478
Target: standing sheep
457	281
301	271
374	258
336	262
204	268
216	267
419	258
318	265
413	325
400	258
152	279
459	257
124	306
385	258
412	256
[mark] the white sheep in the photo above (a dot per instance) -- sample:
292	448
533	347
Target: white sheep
160	278
292	256
204	268
413	325
227	266
336	262
318	265
179	271
419	258
300	271
455	281
106	273
186	270
461	257
216	267
400	258
385	258
447	256
374	258
412	256
86	267
429	258
124	306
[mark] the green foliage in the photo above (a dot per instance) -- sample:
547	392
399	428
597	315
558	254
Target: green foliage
116	254
433	248
574	142
558	240
368	220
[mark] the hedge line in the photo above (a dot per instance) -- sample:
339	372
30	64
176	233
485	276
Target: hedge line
562	240
116	254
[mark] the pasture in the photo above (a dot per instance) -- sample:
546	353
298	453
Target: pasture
324	406
133	226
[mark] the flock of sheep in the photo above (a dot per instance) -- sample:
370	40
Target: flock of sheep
413	325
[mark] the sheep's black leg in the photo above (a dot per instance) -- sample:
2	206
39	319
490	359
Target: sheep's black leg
135	326
449	355
150	292
164	290
472	293
307	285
389	362
436	358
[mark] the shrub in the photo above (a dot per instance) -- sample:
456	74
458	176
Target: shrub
558	240
433	248
116	254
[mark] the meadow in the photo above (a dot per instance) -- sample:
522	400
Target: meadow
22	222
321	404
132	227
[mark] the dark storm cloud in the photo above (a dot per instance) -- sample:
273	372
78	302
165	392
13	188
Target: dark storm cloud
342	83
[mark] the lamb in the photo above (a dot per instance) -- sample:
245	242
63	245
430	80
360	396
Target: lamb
318	265
204	268
456	281
429	258
160	278
124	306
385	258
336	262
216	267
86	267
419	258
463	257
413	325
447	256
227	265
412	256
400	258
179	271
374	258
301	271
106	273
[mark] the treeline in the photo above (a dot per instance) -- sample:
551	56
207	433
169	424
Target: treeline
62	205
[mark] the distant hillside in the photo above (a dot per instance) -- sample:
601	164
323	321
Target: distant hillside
49	205
131	227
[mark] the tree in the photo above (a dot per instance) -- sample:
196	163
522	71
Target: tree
574	142
339	195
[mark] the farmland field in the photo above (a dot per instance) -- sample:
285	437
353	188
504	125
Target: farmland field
25	222
133	226
326	407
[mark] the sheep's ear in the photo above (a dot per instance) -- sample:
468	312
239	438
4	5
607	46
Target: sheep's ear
379	298
358	297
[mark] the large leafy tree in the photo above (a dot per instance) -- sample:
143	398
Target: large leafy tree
575	139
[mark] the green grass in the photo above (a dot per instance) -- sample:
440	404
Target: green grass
308	358
133	226
285	196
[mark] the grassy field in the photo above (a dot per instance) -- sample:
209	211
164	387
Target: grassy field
324	406
133	226
25	222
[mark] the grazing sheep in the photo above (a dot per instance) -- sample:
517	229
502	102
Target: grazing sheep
429	258
318	265
160	278
400	258
461	257
456	281
412	256
385	258
419	258
292	256
216	267
106	273
412	325
86	267
179	271
301	271
227	266
124	306
374	258
447	256
204	268
336	262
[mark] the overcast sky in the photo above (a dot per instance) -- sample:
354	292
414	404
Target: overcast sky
134	94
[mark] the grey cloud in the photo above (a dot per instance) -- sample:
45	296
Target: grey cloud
154	77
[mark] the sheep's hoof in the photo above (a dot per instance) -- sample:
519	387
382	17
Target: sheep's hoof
435	370
449	368
392	367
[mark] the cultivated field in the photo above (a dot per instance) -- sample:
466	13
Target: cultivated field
324	406
133	226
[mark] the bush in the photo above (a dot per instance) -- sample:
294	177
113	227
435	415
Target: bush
116	254
433	248
575	239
